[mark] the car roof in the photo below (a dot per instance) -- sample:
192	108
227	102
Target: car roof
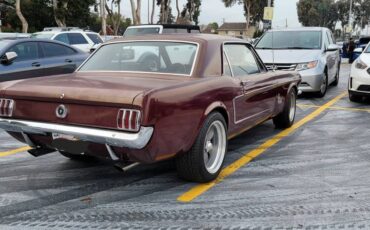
197	38
172	26
15	41
299	29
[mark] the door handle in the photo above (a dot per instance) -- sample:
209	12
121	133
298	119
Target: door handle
68	60
36	64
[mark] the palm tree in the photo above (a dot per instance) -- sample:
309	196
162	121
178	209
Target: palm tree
20	16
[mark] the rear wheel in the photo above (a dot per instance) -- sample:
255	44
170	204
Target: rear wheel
204	161
286	118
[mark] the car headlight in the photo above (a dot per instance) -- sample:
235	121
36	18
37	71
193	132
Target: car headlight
360	64
305	66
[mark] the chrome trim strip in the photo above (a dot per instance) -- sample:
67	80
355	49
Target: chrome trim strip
159	40
101	136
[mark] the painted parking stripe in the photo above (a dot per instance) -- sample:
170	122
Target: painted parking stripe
14	151
198	190
336	108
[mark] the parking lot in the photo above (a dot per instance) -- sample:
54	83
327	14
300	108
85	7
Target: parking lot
313	175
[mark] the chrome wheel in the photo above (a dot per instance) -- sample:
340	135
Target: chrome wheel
292	109
214	147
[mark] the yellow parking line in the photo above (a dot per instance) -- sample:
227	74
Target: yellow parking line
337	108
14	151
198	190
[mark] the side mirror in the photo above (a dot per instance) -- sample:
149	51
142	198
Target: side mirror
332	47
9	57
358	50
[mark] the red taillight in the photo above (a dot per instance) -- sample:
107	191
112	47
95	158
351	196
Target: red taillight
6	107
128	119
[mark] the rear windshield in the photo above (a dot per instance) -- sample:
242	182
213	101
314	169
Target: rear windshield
95	38
290	40
141	31
153	56
42	35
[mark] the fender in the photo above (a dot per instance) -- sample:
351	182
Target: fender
213	106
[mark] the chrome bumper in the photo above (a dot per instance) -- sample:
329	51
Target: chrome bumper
102	136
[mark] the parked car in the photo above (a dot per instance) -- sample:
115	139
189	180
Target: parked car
14	35
27	58
83	40
198	91
160	29
359	81
309	50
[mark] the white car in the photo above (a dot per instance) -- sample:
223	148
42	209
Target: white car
359	81
83	40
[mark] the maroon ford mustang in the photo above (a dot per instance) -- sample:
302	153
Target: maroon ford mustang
147	99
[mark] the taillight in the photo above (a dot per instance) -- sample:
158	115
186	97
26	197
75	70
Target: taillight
129	119
6	107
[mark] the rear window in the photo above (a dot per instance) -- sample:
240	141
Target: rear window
141	31
148	56
95	38
76	39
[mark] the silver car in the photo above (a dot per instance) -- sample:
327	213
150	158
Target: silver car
309	50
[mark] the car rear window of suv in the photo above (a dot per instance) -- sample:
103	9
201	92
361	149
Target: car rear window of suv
95	38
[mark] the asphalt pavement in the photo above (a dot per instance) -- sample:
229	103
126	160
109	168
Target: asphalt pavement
313	176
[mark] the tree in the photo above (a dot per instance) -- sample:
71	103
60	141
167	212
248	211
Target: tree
253	10
191	11
20	16
152	14
115	18
317	13
71	12
165	13
136	11
60	8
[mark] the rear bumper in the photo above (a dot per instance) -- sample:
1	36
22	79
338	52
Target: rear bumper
101	136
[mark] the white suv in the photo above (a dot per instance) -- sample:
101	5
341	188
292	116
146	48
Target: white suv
83	40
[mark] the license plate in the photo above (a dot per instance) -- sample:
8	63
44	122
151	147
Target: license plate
64	136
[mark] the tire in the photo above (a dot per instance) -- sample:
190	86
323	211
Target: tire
336	81
77	157
324	86
353	97
286	118
204	161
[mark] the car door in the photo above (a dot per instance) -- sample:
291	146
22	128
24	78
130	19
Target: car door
26	65
257	97
58	58
331	57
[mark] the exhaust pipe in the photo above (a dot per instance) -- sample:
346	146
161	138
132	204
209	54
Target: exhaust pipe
126	168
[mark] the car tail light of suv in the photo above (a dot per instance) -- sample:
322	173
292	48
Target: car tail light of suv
129	119
6	107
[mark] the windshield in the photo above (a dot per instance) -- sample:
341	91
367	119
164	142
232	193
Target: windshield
155	57
290	40
42	35
141	31
3	43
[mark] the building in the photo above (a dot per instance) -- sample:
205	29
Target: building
236	29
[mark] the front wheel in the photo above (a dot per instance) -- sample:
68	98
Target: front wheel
204	161
336	81
286	118
324	86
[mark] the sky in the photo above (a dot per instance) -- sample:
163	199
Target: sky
215	11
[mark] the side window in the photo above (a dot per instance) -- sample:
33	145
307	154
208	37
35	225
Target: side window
54	50
329	38
242	60
25	51
326	41
76	39
62	38
226	71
